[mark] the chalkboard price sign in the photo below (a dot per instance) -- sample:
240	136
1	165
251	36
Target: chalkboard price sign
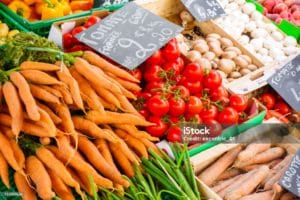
130	35
291	177
204	10
286	82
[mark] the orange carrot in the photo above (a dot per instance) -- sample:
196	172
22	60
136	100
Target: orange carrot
40	177
83	182
31	65
97	160
251	150
268	183
267	195
229	174
24	91
224	184
107	105
132	130
65	93
4	171
14	106
43	95
270	164
47	121
8	153
126	84
7	132
108	96
59	187
52	115
287	196
209	175
1	94
18	153
104	150
151	145
127	151
39	77
126	105
91	129
64	113
23	187
106	66
51	90
45	140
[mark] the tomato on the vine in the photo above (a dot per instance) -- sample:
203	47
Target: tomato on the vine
155	59
172	66
268	100
144	113
193	87
194	105
177	106
195	118
158	106
194	72
136	73
77	30
91	21
182	91
209	113
155	87
215	128
174	134
218	93
174	120
238	102
171	50
180	63
157	130
212	80
68	40
152	73
228	116
282	108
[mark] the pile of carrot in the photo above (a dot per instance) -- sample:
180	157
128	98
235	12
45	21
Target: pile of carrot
77	123
249	172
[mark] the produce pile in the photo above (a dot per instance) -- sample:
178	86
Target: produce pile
5	32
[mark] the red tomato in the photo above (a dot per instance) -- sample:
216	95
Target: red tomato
77	47
136	73
158	129
209	113
68	40
180	63
155	87
174	134
145	95
152	73
172	66
182	91
174	120
268	100
194	72
194	105
217	93
77	30
171	51
193	118
238	102
158	106
177	106
144	113
193	87
213	80
215	128
282	108
91	21
228	116
155	59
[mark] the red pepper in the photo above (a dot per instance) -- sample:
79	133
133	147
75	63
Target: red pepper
68	40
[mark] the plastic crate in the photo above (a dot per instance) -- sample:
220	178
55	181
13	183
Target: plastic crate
42	27
11	23
287	27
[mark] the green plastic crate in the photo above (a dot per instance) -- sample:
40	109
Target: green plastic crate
42	27
11	23
287	27
230	132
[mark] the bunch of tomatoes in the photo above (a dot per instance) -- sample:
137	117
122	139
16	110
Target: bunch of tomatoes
176	91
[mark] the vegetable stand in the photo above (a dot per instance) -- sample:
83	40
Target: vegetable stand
75	124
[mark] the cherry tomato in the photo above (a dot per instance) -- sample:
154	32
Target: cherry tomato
209	113
180	63
152	73
68	40
136	73
228	116
238	102
217	93
144	113
77	47
182	91
174	120
213	80
158	106
282	108
77	30
155	87
177	106
91	21
145	95
194	72
193	87
155	59
172	66
158	129
268	100
194	105
214	127
193	118
174	134
171	51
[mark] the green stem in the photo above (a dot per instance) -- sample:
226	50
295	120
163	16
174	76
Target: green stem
49	3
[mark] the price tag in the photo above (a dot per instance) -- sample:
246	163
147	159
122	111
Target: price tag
286	82
130	35
99	3
204	10
291	178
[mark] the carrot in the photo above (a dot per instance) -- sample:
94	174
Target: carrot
65	93
1	94
8	153
23	187
7	132
126	105
287	196
127	84
4	171
267	195
134	143
150	145
65	76
116	118
229	174
108	96
248	185
39	77
251	150
40	93
97	160
122	160
31	65
87	92
286	161
18	153
224	184
85	185
269	164
132	130
45	140
64	113
59	187
91	129
103	147
52	115
51	90
40	177
93	75
47	121
14	106
24	91
268	183
278	115
209	175
266	156
107	105
277	188
106	66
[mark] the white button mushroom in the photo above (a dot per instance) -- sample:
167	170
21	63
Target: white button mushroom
277	35
256	16
244	39
267	59
259	33
263	51
270	27
251	26
291	50
248	8
256	43
289	41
